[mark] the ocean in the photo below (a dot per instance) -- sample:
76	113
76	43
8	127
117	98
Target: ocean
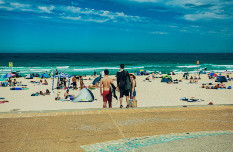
85	64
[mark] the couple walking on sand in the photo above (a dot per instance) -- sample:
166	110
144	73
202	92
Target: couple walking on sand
126	84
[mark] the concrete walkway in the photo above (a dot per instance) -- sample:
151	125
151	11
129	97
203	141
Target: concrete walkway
68	131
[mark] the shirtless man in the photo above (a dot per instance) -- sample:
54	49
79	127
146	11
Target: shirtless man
74	82
107	92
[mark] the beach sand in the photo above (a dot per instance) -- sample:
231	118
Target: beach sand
149	94
194	129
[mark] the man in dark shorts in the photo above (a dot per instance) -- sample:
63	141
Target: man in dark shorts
74	82
121	83
107	92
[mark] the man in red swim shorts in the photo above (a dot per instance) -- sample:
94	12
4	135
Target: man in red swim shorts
107	93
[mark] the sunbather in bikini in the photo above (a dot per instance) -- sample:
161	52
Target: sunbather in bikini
40	93
45	82
191	79
58	96
217	86
222	86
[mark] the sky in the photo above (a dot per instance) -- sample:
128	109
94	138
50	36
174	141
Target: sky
119	26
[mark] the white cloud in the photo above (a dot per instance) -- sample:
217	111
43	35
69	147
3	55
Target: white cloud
99	16
46	17
79	18
159	33
203	15
143	1
18	5
46	9
72	18
2	2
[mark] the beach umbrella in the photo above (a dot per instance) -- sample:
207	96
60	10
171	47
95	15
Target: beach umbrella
213	74
8	75
141	70
12	74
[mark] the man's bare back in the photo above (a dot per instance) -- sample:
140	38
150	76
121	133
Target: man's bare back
106	82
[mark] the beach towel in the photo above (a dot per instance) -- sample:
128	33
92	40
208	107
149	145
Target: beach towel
191	100
113	88
2	98
184	99
3	101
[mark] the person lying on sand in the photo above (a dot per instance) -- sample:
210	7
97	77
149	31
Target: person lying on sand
222	86
45	82
148	78
94	86
40	93
203	85
217	86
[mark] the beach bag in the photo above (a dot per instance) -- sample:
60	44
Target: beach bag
127	82
229	87
134	102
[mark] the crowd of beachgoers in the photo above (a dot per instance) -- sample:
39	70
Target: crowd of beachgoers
105	87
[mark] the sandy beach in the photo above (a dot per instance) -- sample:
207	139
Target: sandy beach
149	94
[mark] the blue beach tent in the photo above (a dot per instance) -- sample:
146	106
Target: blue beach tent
29	76
96	80
3	79
85	95
222	79
45	75
167	79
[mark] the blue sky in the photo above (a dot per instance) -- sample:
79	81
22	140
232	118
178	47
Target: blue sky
175	26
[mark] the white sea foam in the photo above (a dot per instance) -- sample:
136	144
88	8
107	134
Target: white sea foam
103	68
227	66
40	69
218	71
63	67
188	66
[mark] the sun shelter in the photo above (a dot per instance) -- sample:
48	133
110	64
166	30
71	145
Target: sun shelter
44	75
29	76
222	79
85	95
3	79
8	75
96	80
61	76
166	78
213	75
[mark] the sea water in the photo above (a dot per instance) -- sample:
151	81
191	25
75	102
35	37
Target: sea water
85	64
